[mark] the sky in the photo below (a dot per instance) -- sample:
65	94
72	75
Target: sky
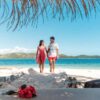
74	37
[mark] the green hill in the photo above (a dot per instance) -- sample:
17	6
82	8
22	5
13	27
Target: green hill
33	55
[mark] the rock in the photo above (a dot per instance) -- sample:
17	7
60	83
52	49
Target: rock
2	79
13	77
32	71
72	82
3	84
63	75
92	84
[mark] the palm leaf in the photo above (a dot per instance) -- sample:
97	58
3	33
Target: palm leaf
23	12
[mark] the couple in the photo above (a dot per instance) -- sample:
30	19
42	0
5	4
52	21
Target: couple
51	53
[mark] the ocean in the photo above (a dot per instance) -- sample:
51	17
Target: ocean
73	63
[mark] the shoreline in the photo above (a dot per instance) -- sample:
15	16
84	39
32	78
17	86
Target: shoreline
13	78
90	73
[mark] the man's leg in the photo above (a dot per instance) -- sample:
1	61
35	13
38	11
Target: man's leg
51	65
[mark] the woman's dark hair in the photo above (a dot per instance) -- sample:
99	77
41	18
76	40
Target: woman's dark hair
52	37
41	41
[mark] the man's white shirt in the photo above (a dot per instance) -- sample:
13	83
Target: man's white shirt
52	50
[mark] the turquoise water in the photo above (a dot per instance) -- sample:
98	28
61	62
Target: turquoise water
62	63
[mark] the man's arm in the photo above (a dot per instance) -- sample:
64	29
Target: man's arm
48	50
57	51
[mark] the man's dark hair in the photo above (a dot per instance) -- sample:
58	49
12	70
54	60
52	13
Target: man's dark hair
52	37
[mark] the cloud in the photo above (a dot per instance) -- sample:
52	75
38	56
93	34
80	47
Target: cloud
16	50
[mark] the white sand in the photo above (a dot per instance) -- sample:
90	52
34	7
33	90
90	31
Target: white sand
48	80
91	73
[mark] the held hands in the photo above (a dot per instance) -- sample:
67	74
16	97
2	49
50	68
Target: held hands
57	56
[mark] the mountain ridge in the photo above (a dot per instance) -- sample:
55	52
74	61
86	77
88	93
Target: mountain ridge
33	55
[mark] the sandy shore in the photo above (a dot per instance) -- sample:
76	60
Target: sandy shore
50	86
60	79
89	73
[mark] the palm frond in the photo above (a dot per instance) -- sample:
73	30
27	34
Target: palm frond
19	13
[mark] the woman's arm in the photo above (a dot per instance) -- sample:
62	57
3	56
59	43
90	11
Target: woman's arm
37	52
46	50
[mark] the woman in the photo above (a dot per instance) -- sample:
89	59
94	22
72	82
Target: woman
41	55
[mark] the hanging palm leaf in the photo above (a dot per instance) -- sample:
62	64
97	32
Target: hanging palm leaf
23	12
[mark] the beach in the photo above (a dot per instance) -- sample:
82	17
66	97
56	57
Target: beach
69	75
89	73
46	80
49	85
16	72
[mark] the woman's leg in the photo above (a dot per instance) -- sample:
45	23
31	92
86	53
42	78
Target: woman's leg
40	66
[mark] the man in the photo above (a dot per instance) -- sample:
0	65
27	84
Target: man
52	53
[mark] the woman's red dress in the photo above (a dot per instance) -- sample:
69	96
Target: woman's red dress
41	55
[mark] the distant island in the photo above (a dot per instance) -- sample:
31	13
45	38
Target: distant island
33	55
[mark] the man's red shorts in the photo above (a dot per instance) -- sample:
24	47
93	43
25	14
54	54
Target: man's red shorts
52	58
